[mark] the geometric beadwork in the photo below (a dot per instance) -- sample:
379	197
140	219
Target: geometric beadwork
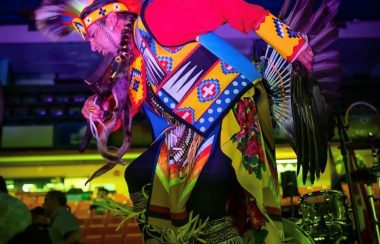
173	49
278	24
186	114
228	69
165	62
135	79
208	90
292	33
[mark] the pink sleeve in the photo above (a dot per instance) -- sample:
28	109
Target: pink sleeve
174	22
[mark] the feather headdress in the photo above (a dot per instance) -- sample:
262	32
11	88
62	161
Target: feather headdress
57	18
54	18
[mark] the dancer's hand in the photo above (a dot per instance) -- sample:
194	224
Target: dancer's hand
96	112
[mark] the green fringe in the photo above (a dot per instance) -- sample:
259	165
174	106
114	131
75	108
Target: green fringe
186	234
182	235
234	240
118	209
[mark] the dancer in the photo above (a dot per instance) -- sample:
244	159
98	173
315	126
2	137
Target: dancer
210	174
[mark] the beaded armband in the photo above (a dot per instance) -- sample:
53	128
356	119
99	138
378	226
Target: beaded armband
281	37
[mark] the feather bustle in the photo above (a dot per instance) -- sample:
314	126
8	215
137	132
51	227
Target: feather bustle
330	55
284	9
324	38
301	111
303	10
324	69
322	17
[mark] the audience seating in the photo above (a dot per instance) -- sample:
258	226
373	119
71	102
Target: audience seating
101	228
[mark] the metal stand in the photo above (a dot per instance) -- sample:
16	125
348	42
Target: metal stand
376	171
373	210
291	207
343	148
367	176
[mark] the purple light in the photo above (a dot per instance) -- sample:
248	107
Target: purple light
41	112
47	98
79	98
57	113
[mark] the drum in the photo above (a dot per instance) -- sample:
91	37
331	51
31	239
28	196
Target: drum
294	234
325	215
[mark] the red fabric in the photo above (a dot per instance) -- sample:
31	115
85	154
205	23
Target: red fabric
133	6
256	218
175	22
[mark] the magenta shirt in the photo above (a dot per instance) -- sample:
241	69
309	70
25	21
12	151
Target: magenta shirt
175	22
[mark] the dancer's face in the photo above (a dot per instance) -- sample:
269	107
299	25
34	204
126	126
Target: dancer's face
104	37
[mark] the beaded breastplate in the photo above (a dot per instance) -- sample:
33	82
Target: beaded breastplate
190	81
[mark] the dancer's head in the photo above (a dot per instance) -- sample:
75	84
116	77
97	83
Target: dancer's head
103	22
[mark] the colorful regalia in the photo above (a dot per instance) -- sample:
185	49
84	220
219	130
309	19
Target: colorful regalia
210	175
